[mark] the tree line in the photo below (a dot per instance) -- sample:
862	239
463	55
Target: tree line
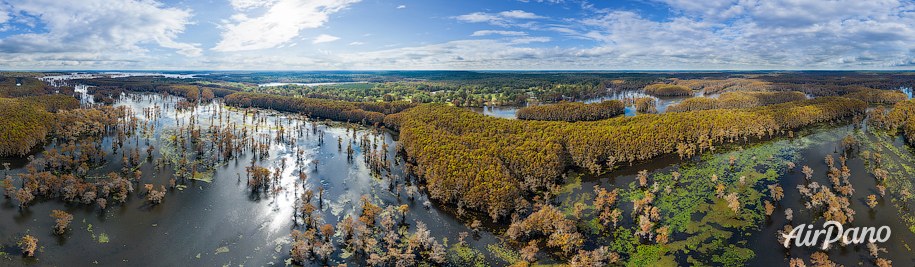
664	89
732	100
364	112
573	111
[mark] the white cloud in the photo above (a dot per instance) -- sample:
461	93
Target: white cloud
97	26
401	6
766	34
4	14
527	40
498	32
504	18
714	34
282	21
460	54
478	17
250	4
519	14
325	38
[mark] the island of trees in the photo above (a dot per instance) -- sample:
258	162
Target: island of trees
732	100
573	111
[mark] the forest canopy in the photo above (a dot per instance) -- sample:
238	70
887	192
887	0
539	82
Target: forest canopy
731	100
663	89
490	164
25	125
573	111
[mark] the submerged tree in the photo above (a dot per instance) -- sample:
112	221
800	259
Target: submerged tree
62	221
28	244
872	201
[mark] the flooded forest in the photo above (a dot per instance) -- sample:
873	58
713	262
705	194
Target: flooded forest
453	168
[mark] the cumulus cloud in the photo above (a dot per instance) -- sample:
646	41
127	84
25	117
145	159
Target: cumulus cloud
95	26
401	6
712	34
733	35
282	21
767	34
325	38
519	14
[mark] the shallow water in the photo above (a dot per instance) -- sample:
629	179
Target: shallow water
216	223
808	149
770	251
223	223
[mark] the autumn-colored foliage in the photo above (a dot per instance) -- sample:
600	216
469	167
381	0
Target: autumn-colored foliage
24	126
62	220
731	100
489	163
572	111
877	96
663	89
53	103
28	244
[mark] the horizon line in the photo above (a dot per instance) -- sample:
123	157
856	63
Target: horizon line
468	70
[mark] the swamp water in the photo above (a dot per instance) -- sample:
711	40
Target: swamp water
217	220
214	219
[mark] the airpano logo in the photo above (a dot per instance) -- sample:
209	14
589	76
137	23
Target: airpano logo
804	236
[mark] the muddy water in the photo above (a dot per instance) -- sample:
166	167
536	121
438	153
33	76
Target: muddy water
219	222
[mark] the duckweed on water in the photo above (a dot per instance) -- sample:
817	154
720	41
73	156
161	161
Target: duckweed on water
894	165
694	208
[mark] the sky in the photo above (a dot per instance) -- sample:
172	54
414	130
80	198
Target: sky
456	35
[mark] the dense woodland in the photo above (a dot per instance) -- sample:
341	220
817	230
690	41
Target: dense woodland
663	89
877	96
24	126
28	86
573	111
715	86
511	159
732	100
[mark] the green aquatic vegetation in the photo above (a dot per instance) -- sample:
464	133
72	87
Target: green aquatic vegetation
568	205
572	183
463	255
222	249
699	216
651	255
507	255
898	165
103	238
171	153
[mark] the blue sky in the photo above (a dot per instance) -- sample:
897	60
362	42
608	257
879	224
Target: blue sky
449	34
